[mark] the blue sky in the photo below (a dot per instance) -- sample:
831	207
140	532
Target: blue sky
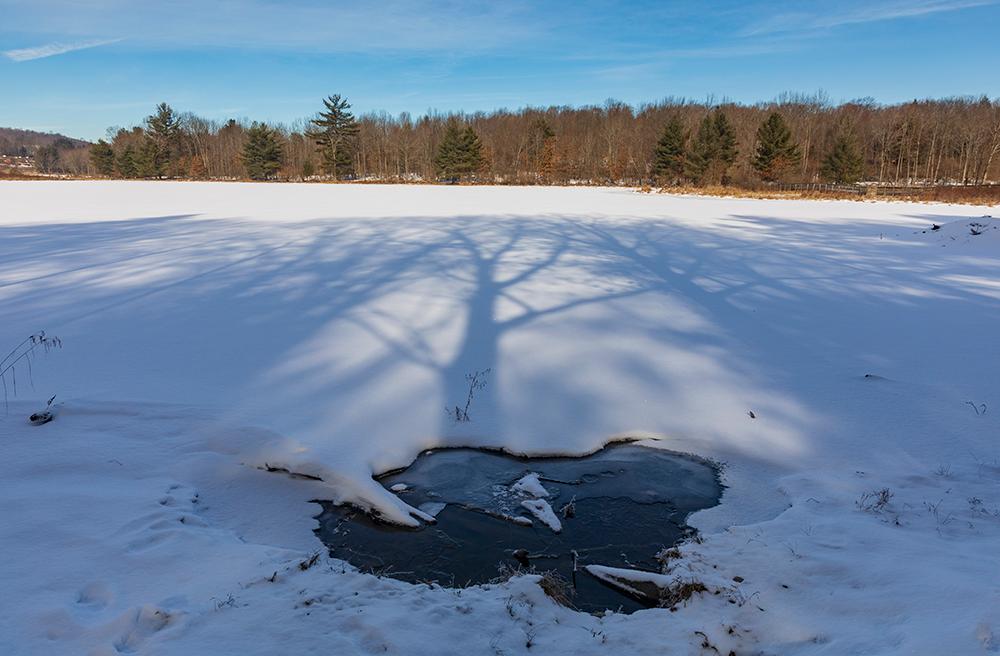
80	66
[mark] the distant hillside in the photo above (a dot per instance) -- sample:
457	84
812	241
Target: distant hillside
14	141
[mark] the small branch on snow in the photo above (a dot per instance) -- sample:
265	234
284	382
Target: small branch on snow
979	408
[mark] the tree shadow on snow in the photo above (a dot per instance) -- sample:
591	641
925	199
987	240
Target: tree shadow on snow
589	326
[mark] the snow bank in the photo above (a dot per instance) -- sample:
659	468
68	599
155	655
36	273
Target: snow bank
214	331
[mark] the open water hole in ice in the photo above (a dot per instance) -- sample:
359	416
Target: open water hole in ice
618	507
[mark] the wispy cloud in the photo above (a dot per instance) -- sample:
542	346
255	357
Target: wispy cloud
53	49
305	26
868	13
636	64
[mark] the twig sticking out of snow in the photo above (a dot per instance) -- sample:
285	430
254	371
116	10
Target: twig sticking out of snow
875	501
306	564
477	381
980	408
45	416
23	353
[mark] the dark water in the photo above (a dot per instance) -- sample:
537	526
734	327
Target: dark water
628	503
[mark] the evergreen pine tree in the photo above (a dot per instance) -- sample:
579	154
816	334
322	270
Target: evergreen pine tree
460	152
103	158
669	157
448	153
263	152
125	163
714	149
334	131
702	150
776	151
726	139
844	164
163	129
472	152
149	160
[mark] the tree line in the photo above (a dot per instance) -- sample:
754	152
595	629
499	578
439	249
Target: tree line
50	152
793	139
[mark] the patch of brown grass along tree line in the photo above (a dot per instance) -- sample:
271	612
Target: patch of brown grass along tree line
988	195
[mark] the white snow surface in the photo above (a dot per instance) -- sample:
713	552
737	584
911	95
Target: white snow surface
212	329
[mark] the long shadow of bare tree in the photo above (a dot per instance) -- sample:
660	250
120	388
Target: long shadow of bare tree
342	330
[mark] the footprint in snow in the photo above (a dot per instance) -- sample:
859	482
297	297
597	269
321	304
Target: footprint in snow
178	511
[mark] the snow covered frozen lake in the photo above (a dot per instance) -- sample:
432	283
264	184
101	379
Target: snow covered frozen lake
839	358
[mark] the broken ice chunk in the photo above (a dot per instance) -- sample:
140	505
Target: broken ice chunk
529	486
648	586
543	512
432	508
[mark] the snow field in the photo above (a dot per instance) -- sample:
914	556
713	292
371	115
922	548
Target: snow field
214	331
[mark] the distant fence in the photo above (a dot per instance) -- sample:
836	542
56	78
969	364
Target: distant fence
821	188
956	193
